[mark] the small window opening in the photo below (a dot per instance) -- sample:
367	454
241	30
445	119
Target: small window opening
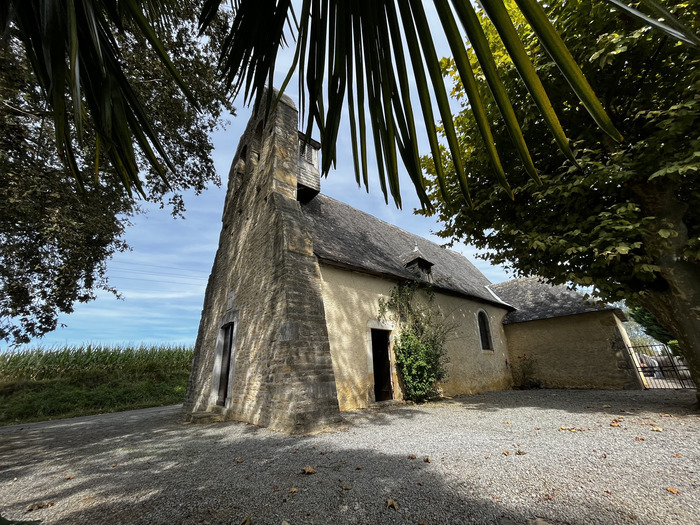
484	331
306	152
226	360
426	275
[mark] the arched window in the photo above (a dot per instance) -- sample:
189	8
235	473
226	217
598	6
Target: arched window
484	331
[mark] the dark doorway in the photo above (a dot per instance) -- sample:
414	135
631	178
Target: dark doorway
225	364
382	365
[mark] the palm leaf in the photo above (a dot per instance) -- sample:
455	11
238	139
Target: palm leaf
74	55
670	26
554	45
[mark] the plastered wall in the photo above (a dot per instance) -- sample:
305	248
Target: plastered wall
576	351
351	304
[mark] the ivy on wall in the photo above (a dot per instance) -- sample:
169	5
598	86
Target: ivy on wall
421	357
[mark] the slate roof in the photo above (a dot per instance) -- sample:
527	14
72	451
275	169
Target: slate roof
535	299
351	238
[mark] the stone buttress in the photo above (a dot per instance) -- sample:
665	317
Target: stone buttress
262	353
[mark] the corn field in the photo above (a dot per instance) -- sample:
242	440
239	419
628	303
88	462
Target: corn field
47	363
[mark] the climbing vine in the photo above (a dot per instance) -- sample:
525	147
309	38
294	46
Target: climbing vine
420	348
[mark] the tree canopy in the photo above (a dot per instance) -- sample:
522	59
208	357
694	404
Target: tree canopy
55	239
357	55
626	221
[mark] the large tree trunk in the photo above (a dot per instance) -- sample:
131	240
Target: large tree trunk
675	297
677	309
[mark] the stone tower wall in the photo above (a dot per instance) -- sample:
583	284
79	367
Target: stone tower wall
266	281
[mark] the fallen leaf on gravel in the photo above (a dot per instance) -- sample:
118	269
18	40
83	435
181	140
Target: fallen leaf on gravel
657	429
571	429
603	456
606	406
506	422
426	459
308	470
487	457
537	428
640	438
391	504
420	483
276	488
614	424
239	460
358	467
673	491
246	521
70	477
505	453
293	490
411	456
520	452
346	487
40	505
677	456
607	491
666	415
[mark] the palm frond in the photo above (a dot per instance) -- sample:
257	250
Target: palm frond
71	46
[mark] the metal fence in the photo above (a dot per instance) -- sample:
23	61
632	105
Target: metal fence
659	368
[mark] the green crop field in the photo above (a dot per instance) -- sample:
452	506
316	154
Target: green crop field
52	383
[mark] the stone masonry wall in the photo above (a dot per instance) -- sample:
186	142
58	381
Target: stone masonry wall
266	280
576	351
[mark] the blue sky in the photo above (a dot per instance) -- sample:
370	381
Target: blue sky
163	278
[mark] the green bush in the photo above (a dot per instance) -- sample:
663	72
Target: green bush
420	366
420	350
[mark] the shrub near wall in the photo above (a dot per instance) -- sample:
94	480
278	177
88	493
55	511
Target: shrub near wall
43	384
420	349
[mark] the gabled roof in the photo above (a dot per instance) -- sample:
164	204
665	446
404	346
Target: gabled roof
347	237
534	299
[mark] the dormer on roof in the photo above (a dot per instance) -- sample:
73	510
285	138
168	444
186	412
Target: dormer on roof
309	178
416	262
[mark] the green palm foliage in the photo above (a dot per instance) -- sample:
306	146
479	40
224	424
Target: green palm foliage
363	56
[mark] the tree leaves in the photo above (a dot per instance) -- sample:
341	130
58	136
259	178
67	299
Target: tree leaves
343	49
54	236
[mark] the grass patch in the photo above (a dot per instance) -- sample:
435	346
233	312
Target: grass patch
43	384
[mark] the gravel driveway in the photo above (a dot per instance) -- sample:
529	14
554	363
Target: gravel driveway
513	457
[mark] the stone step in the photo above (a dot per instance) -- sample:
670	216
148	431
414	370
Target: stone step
204	417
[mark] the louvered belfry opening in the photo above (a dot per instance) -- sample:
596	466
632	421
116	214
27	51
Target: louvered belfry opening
309	177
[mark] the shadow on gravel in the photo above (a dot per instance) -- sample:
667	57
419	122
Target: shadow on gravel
145	467
150	469
675	402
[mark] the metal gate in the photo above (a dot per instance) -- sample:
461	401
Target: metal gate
659	368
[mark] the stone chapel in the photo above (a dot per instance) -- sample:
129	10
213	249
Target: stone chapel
290	336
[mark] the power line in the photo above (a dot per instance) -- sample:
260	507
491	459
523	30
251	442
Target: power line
157	266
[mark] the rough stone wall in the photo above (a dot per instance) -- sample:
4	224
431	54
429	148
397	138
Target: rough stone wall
576	351
266	279
352	305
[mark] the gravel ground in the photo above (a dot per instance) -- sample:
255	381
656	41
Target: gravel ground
513	457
